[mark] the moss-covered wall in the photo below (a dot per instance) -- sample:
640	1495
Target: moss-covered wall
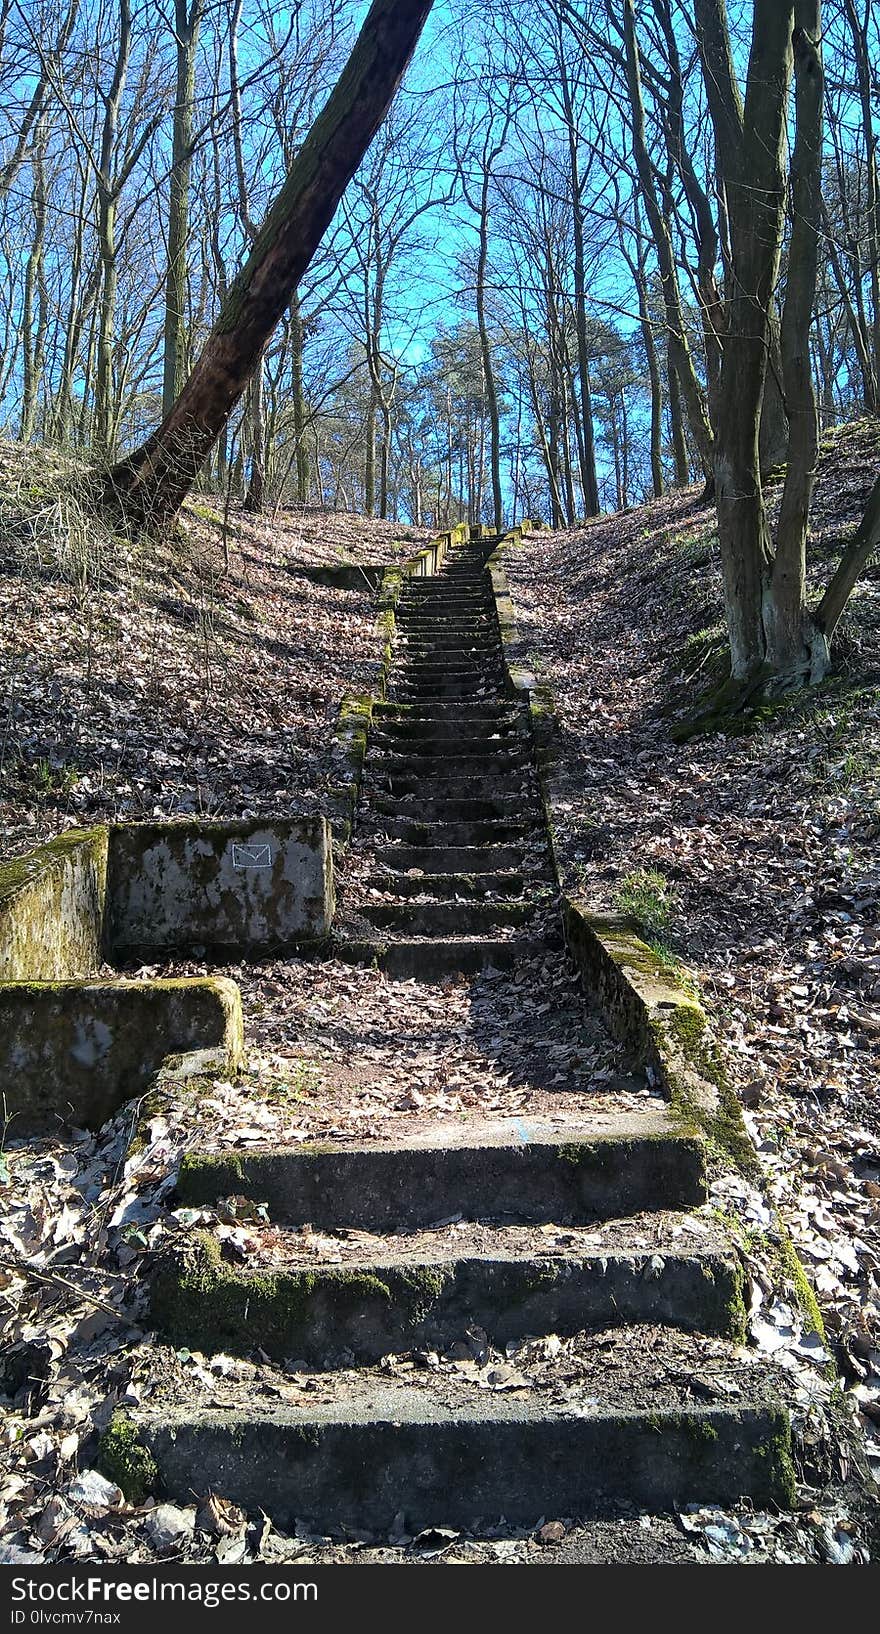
229	887
73	1052
51	909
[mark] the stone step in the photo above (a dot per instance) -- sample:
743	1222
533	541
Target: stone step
425	1291
510	807
493	780
423	669
443	919
453	654
380	1449
513	1170
467	886
448	736
510	769
433	960
479	623
492	715
408	691
455	834
451	859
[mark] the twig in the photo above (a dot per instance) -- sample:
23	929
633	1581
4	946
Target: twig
24	1269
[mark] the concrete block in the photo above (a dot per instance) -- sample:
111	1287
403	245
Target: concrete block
51	909
74	1052
232	888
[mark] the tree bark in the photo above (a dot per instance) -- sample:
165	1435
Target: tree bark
680	352
148	488
187	23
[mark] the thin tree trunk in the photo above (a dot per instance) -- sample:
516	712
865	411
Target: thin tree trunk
683	362
187	23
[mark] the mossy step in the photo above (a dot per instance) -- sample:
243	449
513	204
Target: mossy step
471	886
402	1298
443	919
410	690
518	1171
440	809
491	780
465	860
492	713
441	739
447	833
361	1462
432	960
419	669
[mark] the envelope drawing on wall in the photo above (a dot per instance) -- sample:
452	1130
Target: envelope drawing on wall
252	856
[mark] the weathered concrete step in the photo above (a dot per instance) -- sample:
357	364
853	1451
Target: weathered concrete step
470	886
433	692
503	808
500	757
492	780
519	1170
455	834
449	655
480	709
431	859
432	960
443	919
399	1295
357	1464
448	736
447	625
421	670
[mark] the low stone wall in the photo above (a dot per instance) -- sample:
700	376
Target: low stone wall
52	908
71	1053
231	888
646	1005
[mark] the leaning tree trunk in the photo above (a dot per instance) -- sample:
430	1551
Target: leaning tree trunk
148	488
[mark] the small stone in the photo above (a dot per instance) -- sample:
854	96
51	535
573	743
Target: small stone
551	1532
169	1527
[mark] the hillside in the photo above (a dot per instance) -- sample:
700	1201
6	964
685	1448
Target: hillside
751	859
202	676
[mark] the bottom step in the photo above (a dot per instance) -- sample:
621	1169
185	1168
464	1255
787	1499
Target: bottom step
357	1466
431	960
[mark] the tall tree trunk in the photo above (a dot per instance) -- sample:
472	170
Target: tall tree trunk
865	72
187	22
299	406
791	649
680	351
34	313
587	440
148	488
680	457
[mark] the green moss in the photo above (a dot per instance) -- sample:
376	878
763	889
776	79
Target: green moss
23	871
199	1300
796	1276
123	1459
724	1128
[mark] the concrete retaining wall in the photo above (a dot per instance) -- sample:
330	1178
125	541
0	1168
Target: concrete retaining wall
74	1052
230	888
52	907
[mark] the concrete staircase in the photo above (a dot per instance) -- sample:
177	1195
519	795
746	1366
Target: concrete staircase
561	1228
451	828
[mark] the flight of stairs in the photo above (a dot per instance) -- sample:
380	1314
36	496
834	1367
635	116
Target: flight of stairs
476	1234
451	840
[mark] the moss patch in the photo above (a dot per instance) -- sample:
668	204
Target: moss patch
123	1459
